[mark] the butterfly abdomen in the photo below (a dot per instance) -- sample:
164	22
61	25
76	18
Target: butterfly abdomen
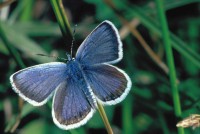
77	76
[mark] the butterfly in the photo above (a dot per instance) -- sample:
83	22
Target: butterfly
78	84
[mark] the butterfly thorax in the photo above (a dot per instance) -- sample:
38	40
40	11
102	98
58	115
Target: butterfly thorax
74	69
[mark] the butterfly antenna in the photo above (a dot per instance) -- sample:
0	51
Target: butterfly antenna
53	57
73	39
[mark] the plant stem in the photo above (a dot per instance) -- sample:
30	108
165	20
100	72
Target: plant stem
104	117
27	10
61	18
170	60
127	120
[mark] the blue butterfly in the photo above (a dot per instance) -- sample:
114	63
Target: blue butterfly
78	84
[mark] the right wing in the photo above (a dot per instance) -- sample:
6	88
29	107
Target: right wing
109	83
103	45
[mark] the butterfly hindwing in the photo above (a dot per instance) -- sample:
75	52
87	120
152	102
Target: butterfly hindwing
35	84
73	103
103	45
109	84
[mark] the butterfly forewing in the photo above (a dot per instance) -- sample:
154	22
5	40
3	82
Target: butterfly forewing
35	84
103	45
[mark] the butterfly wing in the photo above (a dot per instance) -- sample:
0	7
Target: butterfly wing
73	103
109	84
35	84
103	45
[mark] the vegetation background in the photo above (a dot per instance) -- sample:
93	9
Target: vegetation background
158	98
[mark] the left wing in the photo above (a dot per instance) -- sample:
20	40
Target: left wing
36	84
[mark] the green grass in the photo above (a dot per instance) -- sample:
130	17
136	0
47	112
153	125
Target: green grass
170	59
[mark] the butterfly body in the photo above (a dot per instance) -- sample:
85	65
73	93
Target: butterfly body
78	84
73	69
